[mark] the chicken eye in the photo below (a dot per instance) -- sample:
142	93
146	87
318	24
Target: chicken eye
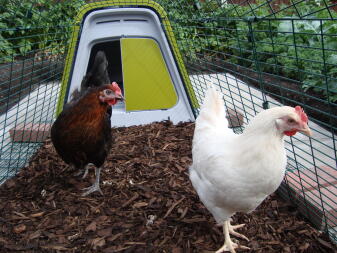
291	121
108	92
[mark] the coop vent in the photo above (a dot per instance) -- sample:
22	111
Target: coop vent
135	20
108	21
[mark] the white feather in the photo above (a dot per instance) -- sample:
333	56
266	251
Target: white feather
232	172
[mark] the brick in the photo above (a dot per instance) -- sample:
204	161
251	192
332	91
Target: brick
315	215
304	182
317	207
326	176
30	132
328	201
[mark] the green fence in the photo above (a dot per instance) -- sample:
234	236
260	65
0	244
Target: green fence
259	53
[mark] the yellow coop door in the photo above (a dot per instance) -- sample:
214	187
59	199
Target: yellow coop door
147	82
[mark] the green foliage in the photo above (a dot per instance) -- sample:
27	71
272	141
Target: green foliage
30	26
300	49
304	50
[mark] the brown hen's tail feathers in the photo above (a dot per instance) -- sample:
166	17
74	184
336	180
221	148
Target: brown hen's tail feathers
97	76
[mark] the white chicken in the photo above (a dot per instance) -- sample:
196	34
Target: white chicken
236	172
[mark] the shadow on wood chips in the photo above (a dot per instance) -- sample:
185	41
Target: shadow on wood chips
148	205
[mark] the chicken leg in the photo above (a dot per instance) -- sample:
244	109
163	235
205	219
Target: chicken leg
95	186
228	244
232	232
84	171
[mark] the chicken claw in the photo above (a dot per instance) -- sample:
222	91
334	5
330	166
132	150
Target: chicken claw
231	246
232	232
95	187
228	244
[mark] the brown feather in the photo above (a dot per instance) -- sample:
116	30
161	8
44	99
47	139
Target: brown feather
82	132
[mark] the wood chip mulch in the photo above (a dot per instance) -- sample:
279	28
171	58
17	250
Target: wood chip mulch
148	205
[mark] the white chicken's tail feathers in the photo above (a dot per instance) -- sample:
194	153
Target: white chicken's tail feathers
213	101
213	110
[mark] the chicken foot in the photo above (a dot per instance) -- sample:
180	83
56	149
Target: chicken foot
84	171
95	186
232	232
228	244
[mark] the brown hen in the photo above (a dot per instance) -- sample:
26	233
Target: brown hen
82	132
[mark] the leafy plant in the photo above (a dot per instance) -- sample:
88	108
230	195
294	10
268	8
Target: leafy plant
300	49
28	27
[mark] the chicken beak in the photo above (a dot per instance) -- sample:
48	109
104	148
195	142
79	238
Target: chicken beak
306	130
120	97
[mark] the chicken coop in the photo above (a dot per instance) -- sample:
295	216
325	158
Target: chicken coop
164	54
139	55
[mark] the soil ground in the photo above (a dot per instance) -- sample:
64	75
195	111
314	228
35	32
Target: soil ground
149	204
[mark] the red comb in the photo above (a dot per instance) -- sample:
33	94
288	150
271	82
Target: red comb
116	88
301	113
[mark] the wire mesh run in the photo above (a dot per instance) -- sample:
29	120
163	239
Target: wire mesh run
260	53
267	53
